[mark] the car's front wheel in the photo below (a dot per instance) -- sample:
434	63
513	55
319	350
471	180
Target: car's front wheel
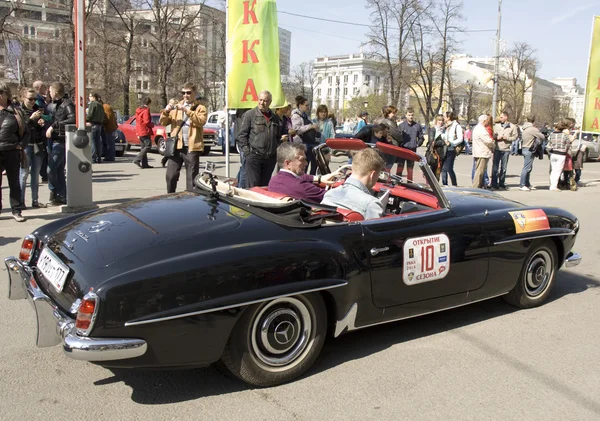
277	341
537	276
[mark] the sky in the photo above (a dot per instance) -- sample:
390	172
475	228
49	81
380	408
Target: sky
559	30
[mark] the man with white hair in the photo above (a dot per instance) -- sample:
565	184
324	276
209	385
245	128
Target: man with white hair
483	148
258	138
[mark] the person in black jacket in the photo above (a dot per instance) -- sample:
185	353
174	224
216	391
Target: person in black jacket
259	137
14	137
63	113
36	149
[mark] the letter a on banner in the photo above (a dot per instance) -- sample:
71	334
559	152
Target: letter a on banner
591	113
253	53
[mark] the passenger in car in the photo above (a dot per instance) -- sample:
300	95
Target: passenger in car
355	193
292	180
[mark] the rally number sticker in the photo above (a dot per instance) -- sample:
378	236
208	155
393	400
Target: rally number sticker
426	259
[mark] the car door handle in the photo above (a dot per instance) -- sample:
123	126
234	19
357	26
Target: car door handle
376	250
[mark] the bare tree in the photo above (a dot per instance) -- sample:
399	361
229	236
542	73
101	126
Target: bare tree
433	46
389	38
517	78
173	22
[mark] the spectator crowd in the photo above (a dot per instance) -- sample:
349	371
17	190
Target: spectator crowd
280	141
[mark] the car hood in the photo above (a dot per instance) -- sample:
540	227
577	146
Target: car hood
466	201
104	237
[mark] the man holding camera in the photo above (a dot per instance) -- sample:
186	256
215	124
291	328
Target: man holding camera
187	119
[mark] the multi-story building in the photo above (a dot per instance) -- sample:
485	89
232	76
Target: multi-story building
341	78
44	29
285	48
574	95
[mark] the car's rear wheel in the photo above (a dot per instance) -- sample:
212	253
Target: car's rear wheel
120	153
277	341
537	276
160	144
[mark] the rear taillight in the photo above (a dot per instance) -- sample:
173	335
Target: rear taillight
86	315
27	248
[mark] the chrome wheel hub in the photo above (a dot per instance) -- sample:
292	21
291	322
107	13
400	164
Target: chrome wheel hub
539	273
281	332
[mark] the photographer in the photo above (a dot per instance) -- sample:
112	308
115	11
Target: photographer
187	119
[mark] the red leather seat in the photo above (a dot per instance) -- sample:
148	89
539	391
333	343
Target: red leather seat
350	215
266	192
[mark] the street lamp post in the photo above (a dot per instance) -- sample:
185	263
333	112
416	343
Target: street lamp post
497	62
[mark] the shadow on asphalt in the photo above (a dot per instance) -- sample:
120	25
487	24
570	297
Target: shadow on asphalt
157	387
110	176
8	240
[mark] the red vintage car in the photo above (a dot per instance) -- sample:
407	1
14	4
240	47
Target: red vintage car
160	134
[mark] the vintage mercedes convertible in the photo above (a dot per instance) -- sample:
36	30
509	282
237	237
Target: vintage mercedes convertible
256	280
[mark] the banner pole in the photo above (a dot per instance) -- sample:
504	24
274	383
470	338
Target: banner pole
587	75
226	139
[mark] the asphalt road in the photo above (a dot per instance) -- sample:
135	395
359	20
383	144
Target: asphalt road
486	361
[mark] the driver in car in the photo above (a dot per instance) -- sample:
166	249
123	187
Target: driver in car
292	180
355	194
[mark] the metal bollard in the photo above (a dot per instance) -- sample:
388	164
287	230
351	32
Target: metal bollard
79	171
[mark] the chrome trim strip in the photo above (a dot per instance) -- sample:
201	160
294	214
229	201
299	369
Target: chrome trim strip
349	319
212	310
54	327
533	237
573	259
391	219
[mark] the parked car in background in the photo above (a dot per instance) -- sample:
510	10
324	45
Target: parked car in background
120	143
212	122
160	134
592	145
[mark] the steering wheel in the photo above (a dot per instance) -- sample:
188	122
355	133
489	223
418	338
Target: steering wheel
344	172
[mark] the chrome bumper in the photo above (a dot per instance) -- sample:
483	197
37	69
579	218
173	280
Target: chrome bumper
573	259
54	327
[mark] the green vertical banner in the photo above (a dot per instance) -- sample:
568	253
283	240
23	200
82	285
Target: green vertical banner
591	113
252	53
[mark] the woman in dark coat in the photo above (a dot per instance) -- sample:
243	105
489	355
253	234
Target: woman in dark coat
14	137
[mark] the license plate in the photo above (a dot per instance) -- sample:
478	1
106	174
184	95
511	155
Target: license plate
53	269
119	147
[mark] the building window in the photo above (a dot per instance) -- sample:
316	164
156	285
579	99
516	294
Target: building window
328	92
2	59
26	46
26	30
319	80
354	91
355	78
367	79
145	85
56	33
138	85
33	47
329	79
337	92
318	90
345	91
32	31
92	81
377	80
345	78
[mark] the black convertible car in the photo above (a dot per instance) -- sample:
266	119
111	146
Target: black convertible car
255	280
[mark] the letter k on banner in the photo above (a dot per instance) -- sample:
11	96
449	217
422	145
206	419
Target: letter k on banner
252	53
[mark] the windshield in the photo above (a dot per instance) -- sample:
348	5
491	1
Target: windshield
398	170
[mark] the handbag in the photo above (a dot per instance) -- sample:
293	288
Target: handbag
171	143
568	163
